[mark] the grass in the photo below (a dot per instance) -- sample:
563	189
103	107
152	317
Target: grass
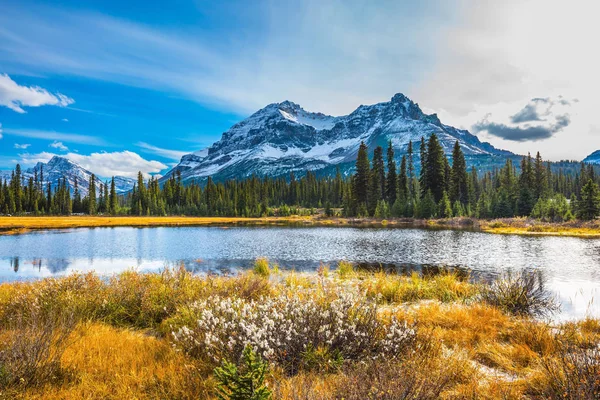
112	339
517	226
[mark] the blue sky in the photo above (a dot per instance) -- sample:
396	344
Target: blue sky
125	86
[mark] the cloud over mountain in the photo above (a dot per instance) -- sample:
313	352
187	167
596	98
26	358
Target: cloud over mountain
539	119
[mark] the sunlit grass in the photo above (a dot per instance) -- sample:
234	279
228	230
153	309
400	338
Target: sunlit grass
122	345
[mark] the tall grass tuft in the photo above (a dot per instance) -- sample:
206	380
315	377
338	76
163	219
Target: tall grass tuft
261	267
31	347
522	294
573	373
345	269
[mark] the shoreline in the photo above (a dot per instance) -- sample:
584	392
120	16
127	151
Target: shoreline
508	226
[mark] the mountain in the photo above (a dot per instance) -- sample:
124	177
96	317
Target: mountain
283	137
593	158
59	167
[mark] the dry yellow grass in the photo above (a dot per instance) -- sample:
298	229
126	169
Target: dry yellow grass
108	363
515	226
123	348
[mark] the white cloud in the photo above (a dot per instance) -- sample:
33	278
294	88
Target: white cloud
15	96
53	135
172	154
28	159
58	145
21	146
0	131
64	120
123	163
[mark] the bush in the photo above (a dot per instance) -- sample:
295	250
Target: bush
32	345
261	267
521	294
345	269
282	328
244	383
574	373
423	375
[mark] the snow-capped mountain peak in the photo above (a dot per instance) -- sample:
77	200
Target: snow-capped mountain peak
284	137
58	168
593	158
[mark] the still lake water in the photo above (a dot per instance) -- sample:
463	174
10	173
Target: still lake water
570	266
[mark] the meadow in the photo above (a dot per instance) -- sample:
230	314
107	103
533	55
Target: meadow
517	225
332	334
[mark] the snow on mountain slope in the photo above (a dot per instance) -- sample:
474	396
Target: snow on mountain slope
59	167
593	158
283	137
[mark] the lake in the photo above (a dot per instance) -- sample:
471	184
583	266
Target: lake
570	266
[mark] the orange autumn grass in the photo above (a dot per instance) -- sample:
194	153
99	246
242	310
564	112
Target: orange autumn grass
122	348
517	226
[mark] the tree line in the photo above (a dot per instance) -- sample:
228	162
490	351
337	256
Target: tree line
426	184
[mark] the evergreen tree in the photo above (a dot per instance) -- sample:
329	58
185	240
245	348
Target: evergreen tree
403	185
377	185
459	181
113	201
445	207
392	176
434	175
92	195
588	207
410	170
361	179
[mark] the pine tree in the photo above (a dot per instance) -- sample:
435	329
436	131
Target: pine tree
113	201
445	207
377	184
459	186
403	185
392	176
92	195
434	175
540	181
410	170
588	207
360	182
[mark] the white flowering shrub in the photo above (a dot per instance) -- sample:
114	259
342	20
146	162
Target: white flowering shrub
281	328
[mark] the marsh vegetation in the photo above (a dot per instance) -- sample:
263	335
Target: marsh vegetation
335	333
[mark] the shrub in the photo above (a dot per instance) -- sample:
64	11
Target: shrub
345	269
423	375
244	383
521	294
574	373
32	345
284	327
261	267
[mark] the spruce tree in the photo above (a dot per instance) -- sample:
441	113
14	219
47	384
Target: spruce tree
92	195
113	201
434	176
459	186
588	207
361	179
377	185
445	207
403	191
392	176
410	170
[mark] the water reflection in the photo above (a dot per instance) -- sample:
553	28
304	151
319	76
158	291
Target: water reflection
569	265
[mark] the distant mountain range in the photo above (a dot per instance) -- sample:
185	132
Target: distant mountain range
59	167
283	137
593	158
